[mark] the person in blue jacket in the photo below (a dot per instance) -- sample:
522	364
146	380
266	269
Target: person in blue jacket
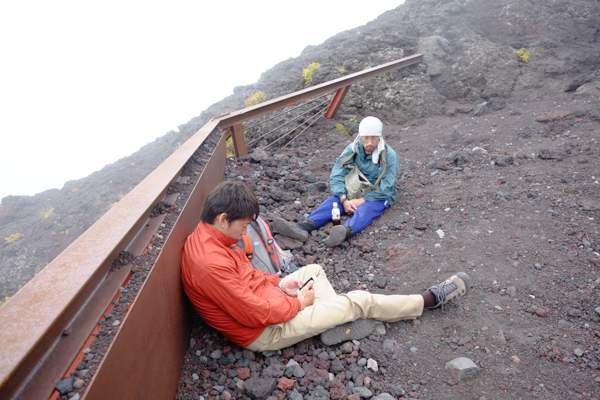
378	163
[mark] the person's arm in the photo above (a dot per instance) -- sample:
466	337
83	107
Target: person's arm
293	287
235	298
273	279
338	174
387	185
350	206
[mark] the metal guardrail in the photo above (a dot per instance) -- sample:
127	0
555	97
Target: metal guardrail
233	121
71	293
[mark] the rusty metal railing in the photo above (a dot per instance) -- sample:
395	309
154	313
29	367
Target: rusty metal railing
233	121
71	293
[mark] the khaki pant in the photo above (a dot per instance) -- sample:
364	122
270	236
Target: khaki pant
330	310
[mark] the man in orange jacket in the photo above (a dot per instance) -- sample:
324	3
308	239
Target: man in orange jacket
260	311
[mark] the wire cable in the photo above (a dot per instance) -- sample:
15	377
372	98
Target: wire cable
282	125
311	124
275	141
286	111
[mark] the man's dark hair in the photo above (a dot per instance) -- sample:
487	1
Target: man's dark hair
234	198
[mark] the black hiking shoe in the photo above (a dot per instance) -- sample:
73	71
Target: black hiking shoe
456	286
338	234
299	232
355	330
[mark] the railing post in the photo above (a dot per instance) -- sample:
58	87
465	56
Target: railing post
336	102
239	141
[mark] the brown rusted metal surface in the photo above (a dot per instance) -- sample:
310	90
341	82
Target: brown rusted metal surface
141	241
239	141
34	318
246	114
138	245
145	359
66	345
336	102
50	352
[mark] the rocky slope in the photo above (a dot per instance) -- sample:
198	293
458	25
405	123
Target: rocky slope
509	197
469	59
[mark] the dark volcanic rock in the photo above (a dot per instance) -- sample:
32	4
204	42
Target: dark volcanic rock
317	187
580	80
380	281
65	385
504	160
274	371
319	394
280	195
288	243
260	388
546	154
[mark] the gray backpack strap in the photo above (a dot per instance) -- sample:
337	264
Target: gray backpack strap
384	165
346	159
263	236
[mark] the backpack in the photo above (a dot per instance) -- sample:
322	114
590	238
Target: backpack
263	252
357	184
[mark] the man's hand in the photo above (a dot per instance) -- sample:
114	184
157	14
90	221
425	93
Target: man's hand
291	286
306	295
350	206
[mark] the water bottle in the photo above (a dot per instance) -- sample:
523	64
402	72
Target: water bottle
335	214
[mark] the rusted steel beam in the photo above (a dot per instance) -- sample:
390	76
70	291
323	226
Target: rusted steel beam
336	102
138	245
239	141
246	114
34	319
46	372
144	360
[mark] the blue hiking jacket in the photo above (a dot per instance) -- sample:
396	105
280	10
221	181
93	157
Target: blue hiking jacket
387	186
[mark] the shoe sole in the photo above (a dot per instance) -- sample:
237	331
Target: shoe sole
284	228
467	280
355	330
330	243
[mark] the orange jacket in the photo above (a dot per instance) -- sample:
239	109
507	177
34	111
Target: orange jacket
229	294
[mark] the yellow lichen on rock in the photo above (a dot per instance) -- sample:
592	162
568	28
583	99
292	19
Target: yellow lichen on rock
523	55
13	238
307	73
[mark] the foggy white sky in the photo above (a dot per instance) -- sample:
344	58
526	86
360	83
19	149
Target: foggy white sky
83	84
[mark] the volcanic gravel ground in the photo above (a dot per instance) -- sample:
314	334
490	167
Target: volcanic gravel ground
517	203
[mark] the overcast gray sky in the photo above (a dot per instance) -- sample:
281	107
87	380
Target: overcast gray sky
83	83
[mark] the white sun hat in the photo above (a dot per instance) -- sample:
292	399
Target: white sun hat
371	126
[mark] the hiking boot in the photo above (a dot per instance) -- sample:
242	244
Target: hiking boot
355	330
299	232
456	286
338	234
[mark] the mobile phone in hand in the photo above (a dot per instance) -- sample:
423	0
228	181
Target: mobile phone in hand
312	278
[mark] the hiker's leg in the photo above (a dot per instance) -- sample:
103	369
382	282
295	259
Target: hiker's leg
365	214
322	215
330	311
